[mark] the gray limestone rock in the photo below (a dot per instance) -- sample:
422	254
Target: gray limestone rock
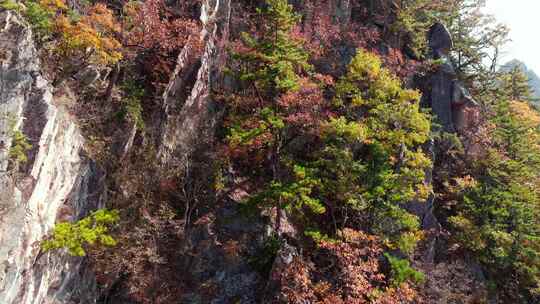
56	179
88	76
189	113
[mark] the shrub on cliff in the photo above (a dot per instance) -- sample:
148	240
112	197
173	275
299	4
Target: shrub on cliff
283	104
19	147
89	231
78	38
361	156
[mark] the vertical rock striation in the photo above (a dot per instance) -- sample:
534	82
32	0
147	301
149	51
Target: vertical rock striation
189	112
56	181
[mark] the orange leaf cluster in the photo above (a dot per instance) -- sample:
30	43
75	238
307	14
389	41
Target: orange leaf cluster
92	37
340	272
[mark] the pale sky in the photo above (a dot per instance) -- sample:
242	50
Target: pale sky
523	19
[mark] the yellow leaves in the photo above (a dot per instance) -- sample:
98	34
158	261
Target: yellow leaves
90	39
340	127
93	34
464	183
408	240
525	114
408	95
417	159
365	65
423	191
54	5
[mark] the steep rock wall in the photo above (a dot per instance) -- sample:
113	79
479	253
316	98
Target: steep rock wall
189	114
56	181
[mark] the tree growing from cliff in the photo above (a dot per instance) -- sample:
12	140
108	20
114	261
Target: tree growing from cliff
498	218
283	104
363	161
478	38
414	18
79	39
89	231
19	147
372	162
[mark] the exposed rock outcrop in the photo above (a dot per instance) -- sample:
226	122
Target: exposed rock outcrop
448	97
215	245
190	118
216	236
454	109
56	181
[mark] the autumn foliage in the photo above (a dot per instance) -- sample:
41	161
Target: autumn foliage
87	39
320	131
91	39
349	271
339	166
152	26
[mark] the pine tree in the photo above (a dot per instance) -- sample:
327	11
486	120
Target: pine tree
516	85
91	230
283	103
372	162
498	219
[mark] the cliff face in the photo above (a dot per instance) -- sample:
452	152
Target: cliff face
189	115
56	181
198	258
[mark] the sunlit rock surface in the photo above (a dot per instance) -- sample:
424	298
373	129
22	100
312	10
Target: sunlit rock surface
56	181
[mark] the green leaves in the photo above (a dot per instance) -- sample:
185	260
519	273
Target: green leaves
402	271
19	147
363	162
293	195
9	5
131	103
372	158
341	130
498	218
91	230
244	136
40	18
276	56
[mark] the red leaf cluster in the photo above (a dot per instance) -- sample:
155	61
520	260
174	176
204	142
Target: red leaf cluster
341	272
303	108
155	27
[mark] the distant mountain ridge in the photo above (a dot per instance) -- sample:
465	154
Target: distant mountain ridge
534	79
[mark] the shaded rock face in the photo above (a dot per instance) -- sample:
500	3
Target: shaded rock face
55	182
215	237
455	111
448	98
440	40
